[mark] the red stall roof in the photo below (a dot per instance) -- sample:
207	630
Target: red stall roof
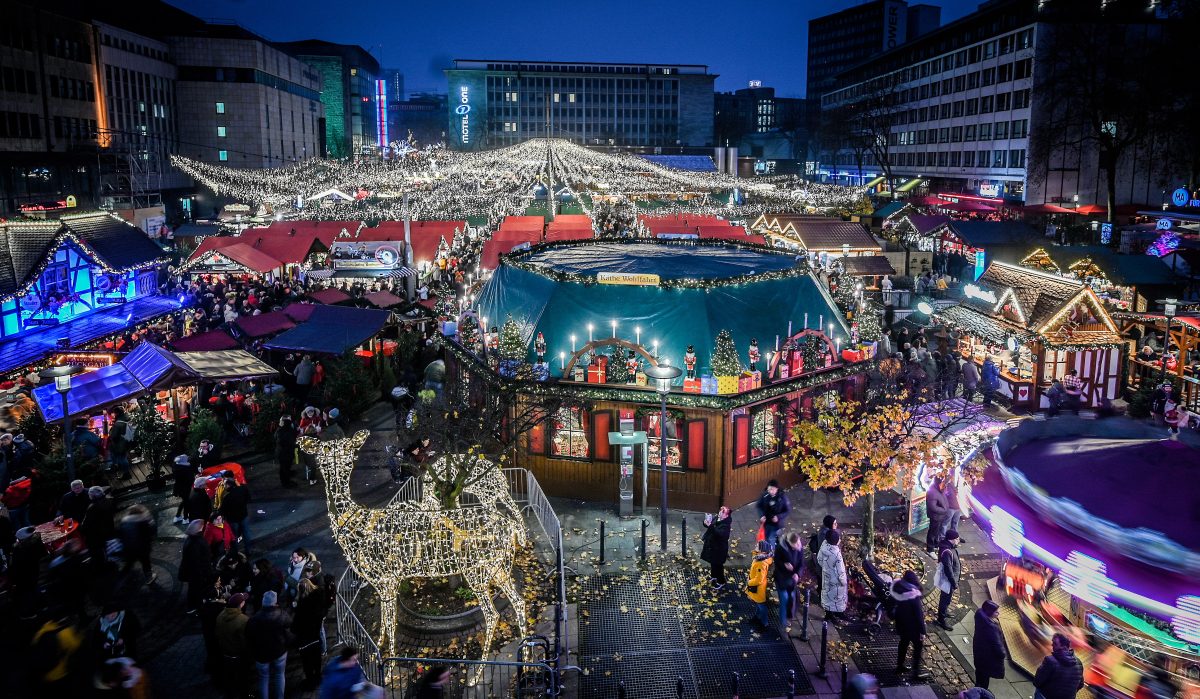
265	324
205	341
523	222
737	233
518	235
329	296
493	249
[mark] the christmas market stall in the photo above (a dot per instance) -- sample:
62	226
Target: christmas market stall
1109	560
1037	327
970	245
757	338
332	330
1163	349
820	236
73	280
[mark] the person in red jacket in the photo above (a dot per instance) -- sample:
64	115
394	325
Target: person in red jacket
218	535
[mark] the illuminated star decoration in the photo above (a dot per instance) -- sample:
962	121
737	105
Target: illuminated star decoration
408	540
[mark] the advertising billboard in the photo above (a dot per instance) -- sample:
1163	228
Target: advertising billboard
367	256
467	106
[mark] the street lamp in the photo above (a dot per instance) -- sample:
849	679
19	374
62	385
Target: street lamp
62	383
1169	309
663	375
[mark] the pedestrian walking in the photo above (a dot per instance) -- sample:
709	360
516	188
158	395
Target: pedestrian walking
343	675
989	379
1060	676
987	645
910	624
230	633
268	638
789	562
970	379
115	633
185	474
716	545
98	527
834	587
307	624
285	450
756	582
199	506
773	509
195	565
1175	416
946	576
137	530
937	509
235	507
432	684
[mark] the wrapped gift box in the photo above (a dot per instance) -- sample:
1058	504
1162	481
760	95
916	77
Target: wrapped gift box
640	378
708	385
578	373
869	349
541	372
849	355
596	374
449	328
727	384
602	362
691	385
784	372
749	380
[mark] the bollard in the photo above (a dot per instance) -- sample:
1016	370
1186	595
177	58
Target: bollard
791	684
824	649
804	618
679	686
621	690
643	539
845	674
601	541
683	541
736	679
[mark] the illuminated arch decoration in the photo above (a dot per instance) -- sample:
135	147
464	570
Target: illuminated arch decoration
637	349
407	540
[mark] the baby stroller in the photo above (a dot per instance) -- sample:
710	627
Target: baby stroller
872	597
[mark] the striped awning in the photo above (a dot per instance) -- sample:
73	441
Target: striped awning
400	273
321	274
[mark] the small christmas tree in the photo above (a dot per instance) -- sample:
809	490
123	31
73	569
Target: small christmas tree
511	345
618	366
725	361
813	352
870	322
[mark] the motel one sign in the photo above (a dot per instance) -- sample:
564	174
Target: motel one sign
463	110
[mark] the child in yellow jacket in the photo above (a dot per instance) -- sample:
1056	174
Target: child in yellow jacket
756	585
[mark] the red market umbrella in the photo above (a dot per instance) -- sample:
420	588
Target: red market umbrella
1048	209
926	200
1091	209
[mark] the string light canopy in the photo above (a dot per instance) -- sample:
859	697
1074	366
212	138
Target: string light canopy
406	540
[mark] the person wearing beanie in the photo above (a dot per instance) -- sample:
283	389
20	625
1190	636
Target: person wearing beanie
198	505
268	638
827	523
910	623
195	565
74	503
230	633
987	645
773	509
185	474
24	569
756	582
333	428
834	585
946	576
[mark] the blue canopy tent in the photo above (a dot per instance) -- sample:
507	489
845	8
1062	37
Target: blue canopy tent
332	330
147	368
701	289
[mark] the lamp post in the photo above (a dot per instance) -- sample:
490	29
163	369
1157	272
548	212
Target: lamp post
663	375
62	383
1169	309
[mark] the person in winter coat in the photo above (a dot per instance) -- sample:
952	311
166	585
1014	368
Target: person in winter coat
432	684
115	633
910	623
1060	676
716	545
118	445
265	578
834	588
949	568
267	638
74	503
136	530
198	505
97	527
304	376
219	536
970	380
342	675
1175	416
309	617
989	379
185	474
297	562
773	509
285	450
756	582
230	633
987	645
195	565
789	562
235	508
25	567
937	508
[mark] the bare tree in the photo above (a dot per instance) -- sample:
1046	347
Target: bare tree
872	118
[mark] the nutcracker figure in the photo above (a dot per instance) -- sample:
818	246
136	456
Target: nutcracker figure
755	355
689	361
854	334
633	365
539	347
493	339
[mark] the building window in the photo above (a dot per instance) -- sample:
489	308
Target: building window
1016	158
220	107
674	446
220	132
571	97
985	132
968	158
223	155
764	431
969	133
998	158
1000	130
570	435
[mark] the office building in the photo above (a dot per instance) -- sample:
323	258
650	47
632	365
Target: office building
395	84
349	92
247	103
50	113
500	102
423	116
844	39
762	125
964	100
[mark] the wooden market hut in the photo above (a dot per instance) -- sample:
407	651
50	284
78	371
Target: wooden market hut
1037	326
663	297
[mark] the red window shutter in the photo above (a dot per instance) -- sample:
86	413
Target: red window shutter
601	426
537	437
741	440
696	443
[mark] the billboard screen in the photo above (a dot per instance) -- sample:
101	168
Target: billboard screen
369	256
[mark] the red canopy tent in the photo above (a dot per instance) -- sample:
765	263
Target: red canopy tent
329	296
265	324
493	249
737	233
519	235
1047	209
966	207
926	200
1091	209
559	234
205	342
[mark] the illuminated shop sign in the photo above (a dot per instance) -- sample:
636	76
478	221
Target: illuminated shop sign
974	291
463	110
1182	197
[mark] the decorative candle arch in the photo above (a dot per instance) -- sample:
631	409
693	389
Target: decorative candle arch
607	342
797	341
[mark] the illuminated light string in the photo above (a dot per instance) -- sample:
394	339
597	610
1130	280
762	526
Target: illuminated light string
406	540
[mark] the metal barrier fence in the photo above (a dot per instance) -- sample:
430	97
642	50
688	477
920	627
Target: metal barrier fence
527	493
473	679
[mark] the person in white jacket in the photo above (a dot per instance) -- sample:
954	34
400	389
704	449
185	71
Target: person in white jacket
834	588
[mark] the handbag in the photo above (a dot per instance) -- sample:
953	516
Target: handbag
939	579
762	533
